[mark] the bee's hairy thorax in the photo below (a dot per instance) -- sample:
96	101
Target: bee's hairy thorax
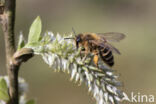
103	51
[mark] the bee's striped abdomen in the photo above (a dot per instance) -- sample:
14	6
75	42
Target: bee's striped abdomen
106	55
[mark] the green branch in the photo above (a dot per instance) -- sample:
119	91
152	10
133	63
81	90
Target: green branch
7	21
13	59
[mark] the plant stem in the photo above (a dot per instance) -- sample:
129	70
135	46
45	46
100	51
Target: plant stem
8	22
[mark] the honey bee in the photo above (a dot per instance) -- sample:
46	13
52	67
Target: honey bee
97	43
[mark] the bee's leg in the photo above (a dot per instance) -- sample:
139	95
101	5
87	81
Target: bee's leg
81	54
84	58
95	60
86	54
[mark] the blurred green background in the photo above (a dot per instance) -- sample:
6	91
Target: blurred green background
137	64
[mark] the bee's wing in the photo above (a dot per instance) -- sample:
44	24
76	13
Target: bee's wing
115	50
104	45
111	36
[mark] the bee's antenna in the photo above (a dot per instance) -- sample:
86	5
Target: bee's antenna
74	34
69	38
74	31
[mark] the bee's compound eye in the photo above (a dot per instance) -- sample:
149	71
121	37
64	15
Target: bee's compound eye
78	39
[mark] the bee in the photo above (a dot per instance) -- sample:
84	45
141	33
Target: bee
98	44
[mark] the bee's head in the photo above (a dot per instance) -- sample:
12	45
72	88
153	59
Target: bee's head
78	38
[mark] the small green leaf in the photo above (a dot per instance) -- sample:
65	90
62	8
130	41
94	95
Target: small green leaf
32	101
3	90
3	85
4	95
21	42
35	31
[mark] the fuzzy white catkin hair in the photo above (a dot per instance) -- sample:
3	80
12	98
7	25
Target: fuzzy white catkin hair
61	55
